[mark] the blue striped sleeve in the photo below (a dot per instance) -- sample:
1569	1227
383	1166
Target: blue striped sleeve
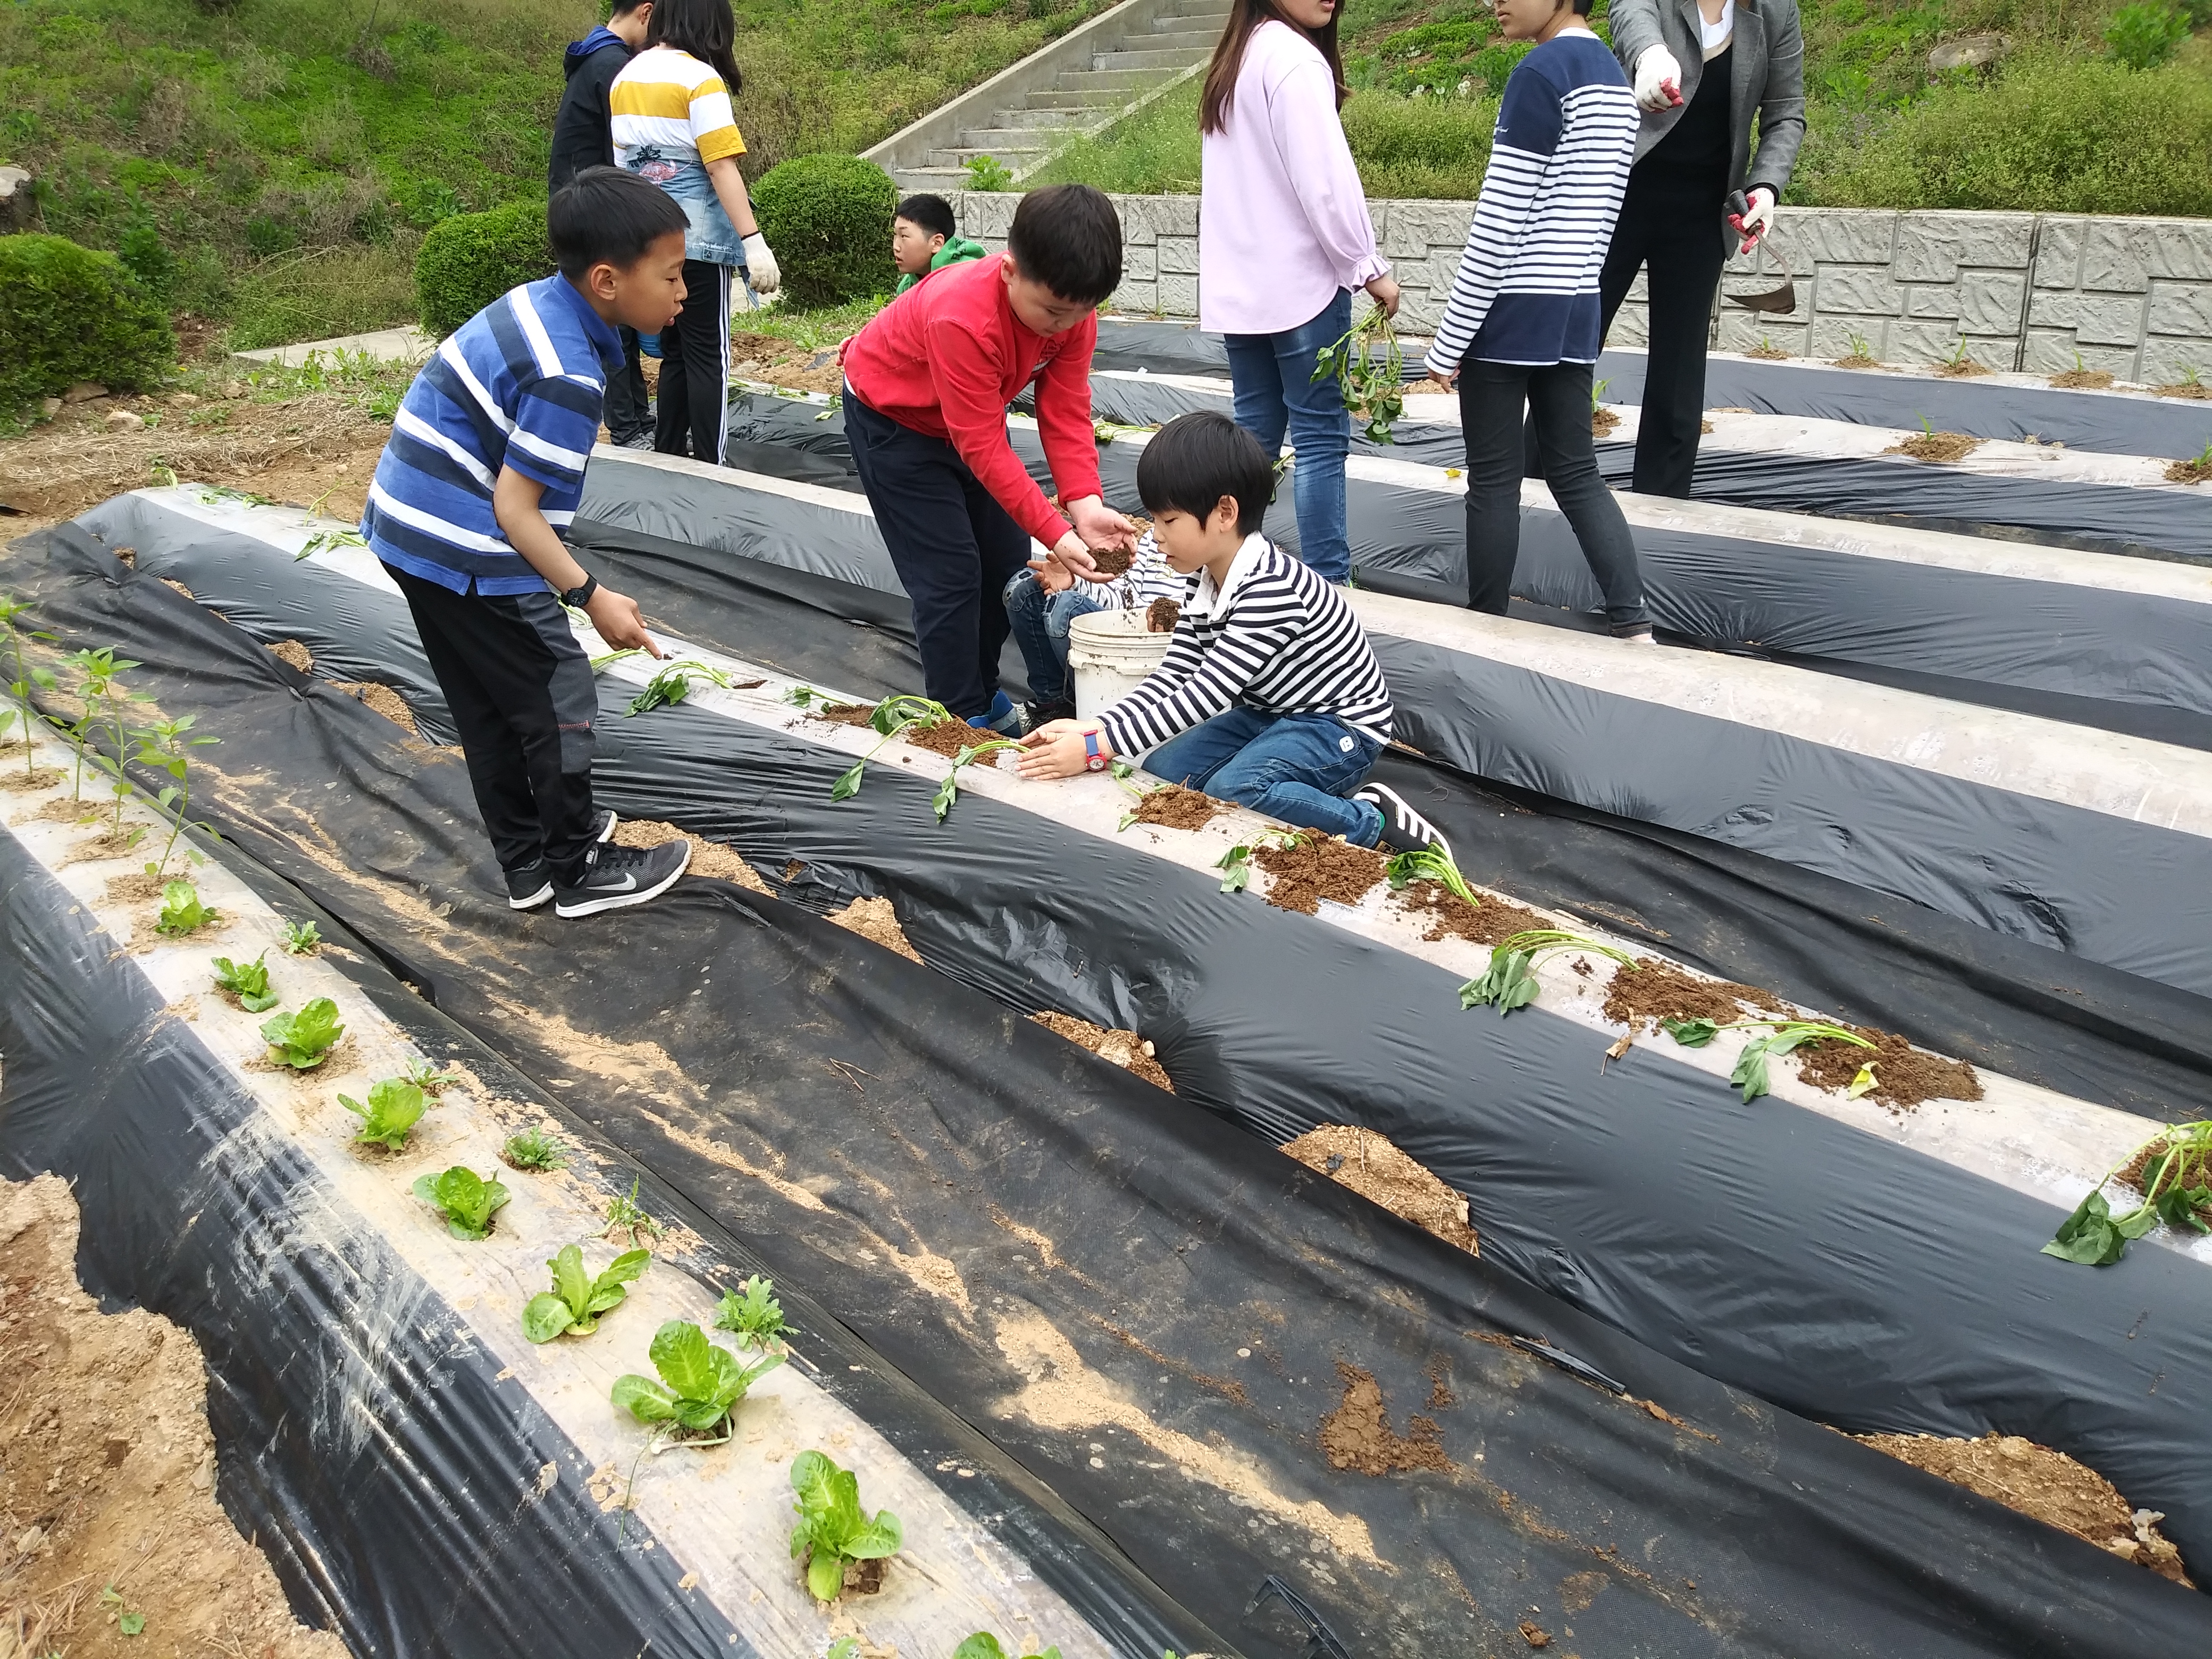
1530	115
556	422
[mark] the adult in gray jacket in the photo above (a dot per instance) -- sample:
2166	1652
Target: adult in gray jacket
1701	69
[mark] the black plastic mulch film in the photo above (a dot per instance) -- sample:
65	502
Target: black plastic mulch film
1845	1300
1089	1219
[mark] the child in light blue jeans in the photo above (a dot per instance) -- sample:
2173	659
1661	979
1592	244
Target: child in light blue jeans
1042	615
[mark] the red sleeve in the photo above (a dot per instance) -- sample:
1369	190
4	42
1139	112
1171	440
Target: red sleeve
1063	407
974	409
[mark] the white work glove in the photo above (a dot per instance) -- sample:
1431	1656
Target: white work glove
1758	219
760	266
1658	80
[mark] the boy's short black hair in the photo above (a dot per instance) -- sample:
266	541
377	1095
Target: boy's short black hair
1195	459
624	8
605	215
932	213
1069	238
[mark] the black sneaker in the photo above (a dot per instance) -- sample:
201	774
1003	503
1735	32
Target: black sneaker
616	877
1034	714
532	885
1403	829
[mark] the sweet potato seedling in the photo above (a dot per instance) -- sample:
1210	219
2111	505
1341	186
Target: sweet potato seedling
395	1106
891	717
803	696
465	1199
949	791
985	1645
182	913
1509	981
533	1149
700	1385
2175	1181
624	1215
1370	366
672	684
1782	1035
752	1312
328	541
248	982
301	938
1428	863
575	1303
302	1041
833	1529
1235	863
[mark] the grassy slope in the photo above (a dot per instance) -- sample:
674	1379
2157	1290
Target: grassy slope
289	153
2062	129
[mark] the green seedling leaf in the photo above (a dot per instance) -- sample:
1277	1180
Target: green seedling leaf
984	1646
182	911
624	1215
1750	1072
832	1526
1510	982
533	1149
699	1385
2088	1236
1691	1033
467	1202
1864	1083
949	791
1235	866
1429	864
848	781
576	1300
301	938
753	1313
302	1041
672	684
248	982
130	1624
802	697
430	1079
395	1106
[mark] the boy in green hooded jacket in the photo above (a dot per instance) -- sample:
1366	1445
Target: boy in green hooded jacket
923	239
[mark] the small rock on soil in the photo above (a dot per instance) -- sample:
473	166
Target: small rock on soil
708	858
1317	868
1378	1171
1449	917
1358	1435
1936	447
874	920
1171	806
1123	1048
2045	1485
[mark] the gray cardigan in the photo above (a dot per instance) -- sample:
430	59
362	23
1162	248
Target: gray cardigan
1768	65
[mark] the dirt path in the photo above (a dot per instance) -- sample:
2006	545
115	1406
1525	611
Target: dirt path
108	1515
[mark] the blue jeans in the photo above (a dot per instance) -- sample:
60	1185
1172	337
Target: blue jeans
1276	393
1297	767
1040	622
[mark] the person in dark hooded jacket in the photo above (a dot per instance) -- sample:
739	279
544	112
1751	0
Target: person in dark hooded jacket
583	137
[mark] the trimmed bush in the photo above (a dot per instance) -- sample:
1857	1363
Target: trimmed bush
68	314
828	218
2145	34
471	260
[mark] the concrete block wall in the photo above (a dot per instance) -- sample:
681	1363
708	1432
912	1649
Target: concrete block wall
2019	290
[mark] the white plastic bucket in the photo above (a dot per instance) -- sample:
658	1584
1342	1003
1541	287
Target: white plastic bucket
1109	652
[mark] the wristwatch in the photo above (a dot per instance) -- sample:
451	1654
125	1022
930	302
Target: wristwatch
1093	759
577	597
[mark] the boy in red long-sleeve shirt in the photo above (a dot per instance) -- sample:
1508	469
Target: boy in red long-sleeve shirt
927	386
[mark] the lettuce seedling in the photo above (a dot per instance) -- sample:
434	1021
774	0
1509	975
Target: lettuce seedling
467	1200
431	1080
752	1311
699	1384
949	791
984	1646
533	1149
301	938
247	981
832	1528
1510	980
302	1041
182	911
1783	1034
576	1301
2176	1183
394	1106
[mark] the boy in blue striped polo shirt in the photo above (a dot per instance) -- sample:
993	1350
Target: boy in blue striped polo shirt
483	470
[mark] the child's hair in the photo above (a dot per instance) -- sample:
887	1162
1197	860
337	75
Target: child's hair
705	28
606	216
1228	60
1195	459
1069	238
931	212
624	8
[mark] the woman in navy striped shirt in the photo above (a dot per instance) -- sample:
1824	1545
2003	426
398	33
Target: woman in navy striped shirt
1521	328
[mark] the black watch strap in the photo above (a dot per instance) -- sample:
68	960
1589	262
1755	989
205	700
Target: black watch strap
578	598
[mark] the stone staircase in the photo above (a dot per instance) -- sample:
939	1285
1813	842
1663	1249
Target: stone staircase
1079	85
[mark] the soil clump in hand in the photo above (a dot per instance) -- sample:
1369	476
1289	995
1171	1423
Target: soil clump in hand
1161	616
1942	447
1380	1173
2046	1485
1660	990
1171	806
1113	560
1124	1048
1904	1076
1317	868
1449	917
1358	1435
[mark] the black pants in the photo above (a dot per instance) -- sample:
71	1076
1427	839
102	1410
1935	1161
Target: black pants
954	547
629	407
1492	398
523	699
1675	232
695	366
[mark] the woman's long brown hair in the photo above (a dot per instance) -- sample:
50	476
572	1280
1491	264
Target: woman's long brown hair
1245	16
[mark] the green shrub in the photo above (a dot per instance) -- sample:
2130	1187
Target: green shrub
471	260
2145	34
1435	148
69	314
828	220
2050	134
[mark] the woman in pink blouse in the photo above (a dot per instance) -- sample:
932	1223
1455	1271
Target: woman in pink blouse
1283	239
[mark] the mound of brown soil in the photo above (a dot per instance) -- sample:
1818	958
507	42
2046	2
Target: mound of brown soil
1161	616
2191	472
948	738
1904	1075
708	858
1856	360
1768	352
1357	1435
1317	868
2047	1485
1603	421
382	699
108	1471
1449	917
1936	447
2184	389
874	920
1375	1168
1123	1048
1959	368
1171	806
1660	990
842	713
292	654
2082	379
